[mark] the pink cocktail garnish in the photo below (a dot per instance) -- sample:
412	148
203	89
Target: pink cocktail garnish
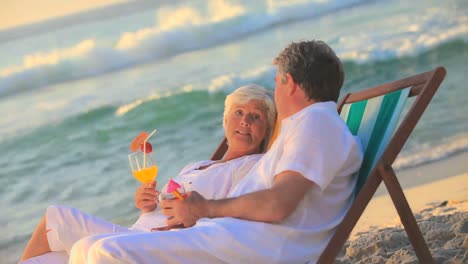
172	187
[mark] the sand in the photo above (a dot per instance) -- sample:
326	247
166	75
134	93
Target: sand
441	209
444	227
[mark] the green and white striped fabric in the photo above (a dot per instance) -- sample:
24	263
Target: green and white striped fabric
374	122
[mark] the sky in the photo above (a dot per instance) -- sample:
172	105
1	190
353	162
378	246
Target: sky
19	12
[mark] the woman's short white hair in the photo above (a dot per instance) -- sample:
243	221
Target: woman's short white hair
249	92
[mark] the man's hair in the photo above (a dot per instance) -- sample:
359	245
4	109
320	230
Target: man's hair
254	92
315	67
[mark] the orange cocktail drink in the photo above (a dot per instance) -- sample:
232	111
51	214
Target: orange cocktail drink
144	168
146	175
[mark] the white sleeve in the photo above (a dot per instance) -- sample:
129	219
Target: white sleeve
315	148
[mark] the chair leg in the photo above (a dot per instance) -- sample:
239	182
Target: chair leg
406	215
343	230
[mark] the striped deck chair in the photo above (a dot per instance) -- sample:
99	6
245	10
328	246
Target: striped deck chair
374	121
373	115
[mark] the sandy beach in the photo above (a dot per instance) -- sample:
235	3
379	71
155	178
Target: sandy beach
441	210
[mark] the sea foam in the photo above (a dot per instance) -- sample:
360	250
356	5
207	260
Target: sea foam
183	28
427	153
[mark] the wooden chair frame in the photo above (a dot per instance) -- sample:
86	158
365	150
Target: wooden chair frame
423	86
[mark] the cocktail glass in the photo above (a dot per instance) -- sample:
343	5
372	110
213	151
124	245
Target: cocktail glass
143	167
173	192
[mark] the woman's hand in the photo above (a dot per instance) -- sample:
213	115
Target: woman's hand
186	212
146	197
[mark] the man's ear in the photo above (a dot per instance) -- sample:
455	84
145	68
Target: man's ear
291	84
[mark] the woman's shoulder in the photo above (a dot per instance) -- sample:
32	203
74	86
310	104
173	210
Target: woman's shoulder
248	160
242	166
195	165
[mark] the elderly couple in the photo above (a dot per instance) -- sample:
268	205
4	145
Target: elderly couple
278	207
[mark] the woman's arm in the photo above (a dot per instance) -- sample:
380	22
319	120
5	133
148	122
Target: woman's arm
146	197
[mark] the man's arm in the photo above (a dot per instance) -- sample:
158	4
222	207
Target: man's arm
270	205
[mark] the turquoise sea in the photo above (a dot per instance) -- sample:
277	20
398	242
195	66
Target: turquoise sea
73	95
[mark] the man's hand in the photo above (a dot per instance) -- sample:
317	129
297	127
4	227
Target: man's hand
146	197
187	212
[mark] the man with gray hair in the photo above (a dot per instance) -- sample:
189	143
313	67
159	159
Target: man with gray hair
286	208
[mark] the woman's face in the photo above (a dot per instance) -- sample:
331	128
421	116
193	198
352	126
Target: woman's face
246	126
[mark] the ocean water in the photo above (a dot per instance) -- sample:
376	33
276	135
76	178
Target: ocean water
73	98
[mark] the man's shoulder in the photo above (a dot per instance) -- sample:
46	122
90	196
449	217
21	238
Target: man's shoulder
318	115
317	123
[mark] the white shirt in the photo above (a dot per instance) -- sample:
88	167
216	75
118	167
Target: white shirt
316	143
214	182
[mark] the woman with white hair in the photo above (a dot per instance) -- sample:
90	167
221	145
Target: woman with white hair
248	122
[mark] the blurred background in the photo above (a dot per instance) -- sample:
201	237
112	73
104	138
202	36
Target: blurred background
78	81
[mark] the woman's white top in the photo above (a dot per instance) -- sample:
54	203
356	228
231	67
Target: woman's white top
214	182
